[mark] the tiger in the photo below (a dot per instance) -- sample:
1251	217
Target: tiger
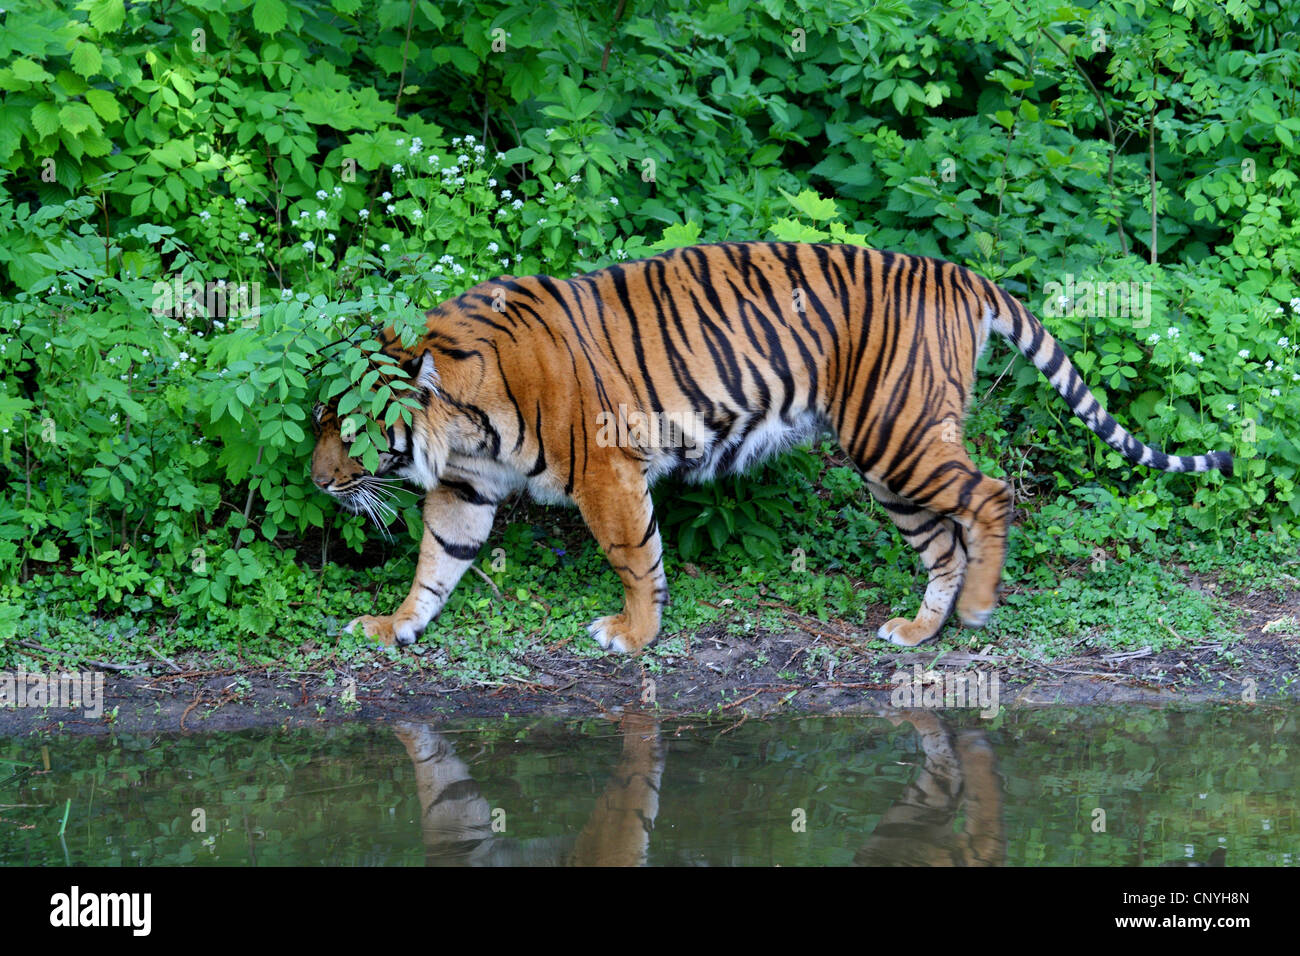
699	362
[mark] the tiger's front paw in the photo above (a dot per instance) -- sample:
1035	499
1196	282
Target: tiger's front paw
386	629
616	633
905	633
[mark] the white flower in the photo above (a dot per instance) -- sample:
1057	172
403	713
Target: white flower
1231	407
492	184
330	237
456	141
184	356
244	237
397	169
506	194
1153	338
391	208
309	246
574	178
1244	353
417	214
518	204
613	201
549	132
304	214
320	214
286	293
462	158
384	247
241	201
1172	333
386	195
400	142
414	150
260	245
1196	357
322	194
1275	392
205	215
364	213
1284	341
500	156
492	247
469	137
506	262
338	190
541	222
1269	365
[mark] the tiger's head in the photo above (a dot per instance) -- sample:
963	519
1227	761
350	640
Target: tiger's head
415	453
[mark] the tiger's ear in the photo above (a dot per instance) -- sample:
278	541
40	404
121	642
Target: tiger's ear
426	374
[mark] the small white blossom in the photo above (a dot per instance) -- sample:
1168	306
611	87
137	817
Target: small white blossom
384	248
397	169
386	195
309	246
241	201
1244	353
364	213
205	215
322	194
1196	358
1231	407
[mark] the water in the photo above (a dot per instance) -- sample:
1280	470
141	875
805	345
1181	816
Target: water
1101	786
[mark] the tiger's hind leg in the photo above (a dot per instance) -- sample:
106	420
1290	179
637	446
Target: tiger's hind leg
951	485
939	541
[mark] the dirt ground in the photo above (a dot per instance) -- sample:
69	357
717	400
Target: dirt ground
722	673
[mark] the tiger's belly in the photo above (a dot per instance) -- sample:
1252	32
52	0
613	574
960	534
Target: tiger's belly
735	446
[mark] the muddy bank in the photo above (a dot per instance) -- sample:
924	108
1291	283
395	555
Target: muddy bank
721	674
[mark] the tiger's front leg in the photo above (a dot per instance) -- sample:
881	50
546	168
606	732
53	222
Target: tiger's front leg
457	520
618	510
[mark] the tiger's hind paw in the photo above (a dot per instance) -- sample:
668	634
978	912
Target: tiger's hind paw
386	629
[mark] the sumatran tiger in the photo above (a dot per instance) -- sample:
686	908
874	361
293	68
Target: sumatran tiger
703	361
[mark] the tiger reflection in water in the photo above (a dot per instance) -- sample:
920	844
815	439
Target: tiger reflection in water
456	820
959	773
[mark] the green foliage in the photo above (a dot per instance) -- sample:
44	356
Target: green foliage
207	210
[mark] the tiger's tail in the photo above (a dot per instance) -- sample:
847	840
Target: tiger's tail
1019	326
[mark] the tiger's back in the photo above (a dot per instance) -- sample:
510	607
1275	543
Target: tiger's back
705	360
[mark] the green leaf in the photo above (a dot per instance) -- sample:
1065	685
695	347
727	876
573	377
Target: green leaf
77	117
270	16
45	118
86	59
104	103
107	15
29	71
